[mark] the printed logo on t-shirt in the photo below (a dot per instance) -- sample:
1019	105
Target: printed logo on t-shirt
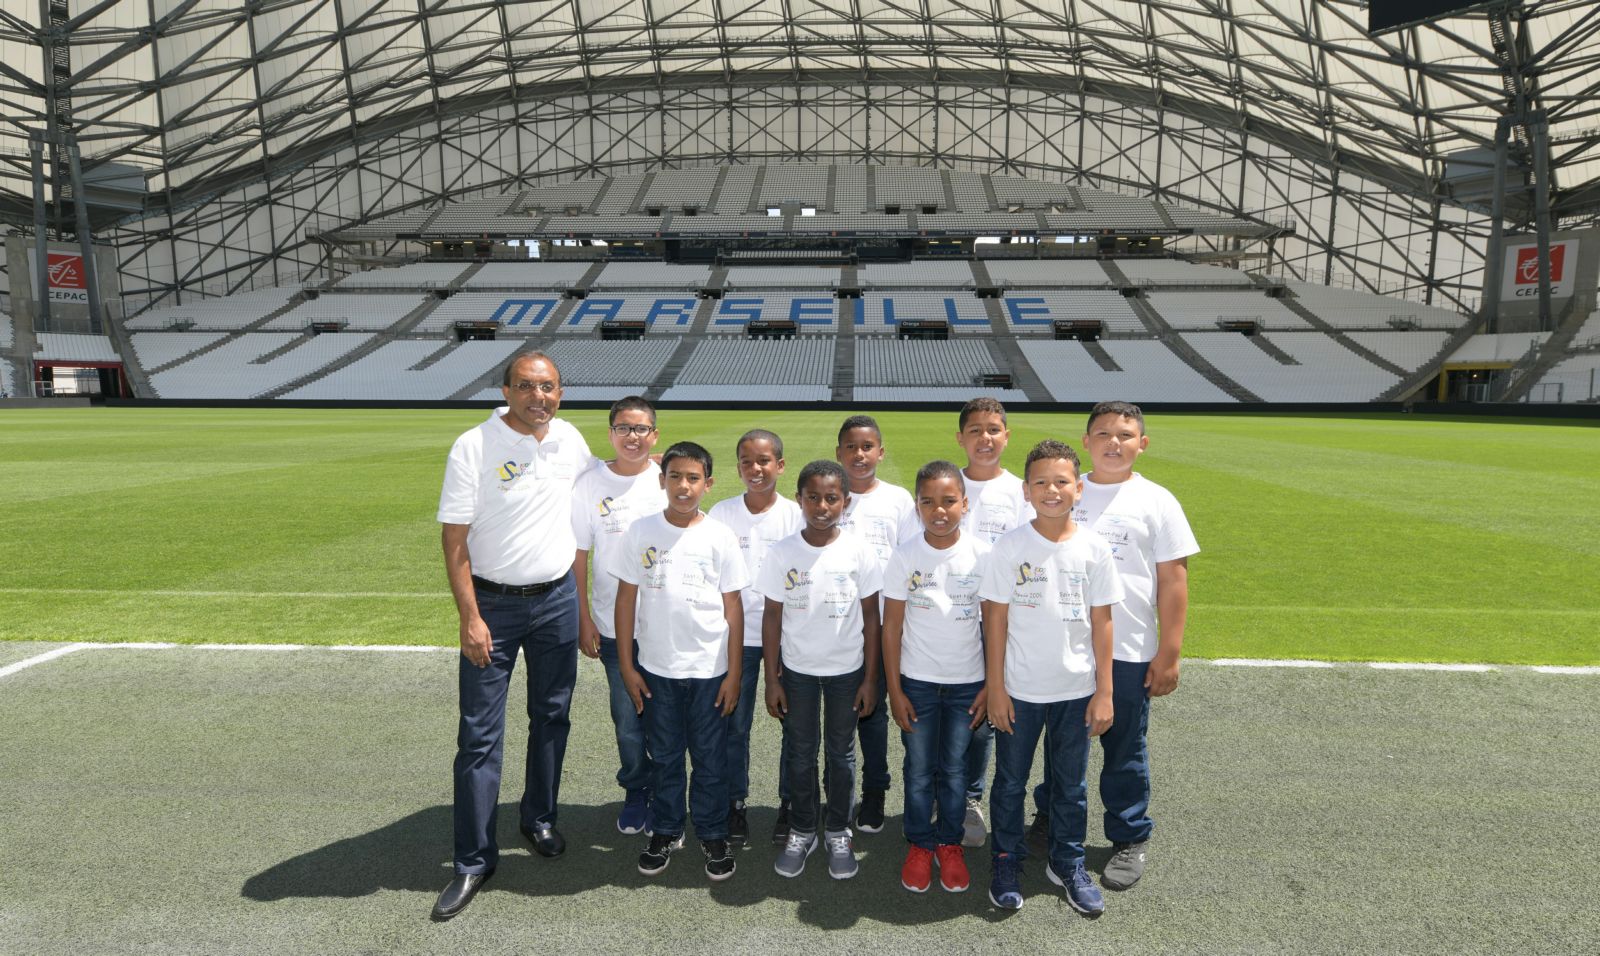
510	473
914	583
613	514
1071	595
1030	582
840	596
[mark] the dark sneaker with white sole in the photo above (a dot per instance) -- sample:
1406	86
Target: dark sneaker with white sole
1082	894
738	824
656	857
780	829
869	814
1125	866
719	861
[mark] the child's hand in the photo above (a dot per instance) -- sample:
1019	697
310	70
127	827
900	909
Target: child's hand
980	708
728	695
636	687
901	710
777	701
866	699
1162	677
1098	715
588	637
1001	711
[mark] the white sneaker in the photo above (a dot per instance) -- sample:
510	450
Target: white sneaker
842	863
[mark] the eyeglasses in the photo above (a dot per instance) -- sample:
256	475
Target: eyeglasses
623	431
548	388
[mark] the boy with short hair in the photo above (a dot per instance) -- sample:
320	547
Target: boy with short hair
1047	597
933	653
1151	540
884	516
605	503
758	518
819	629
995	505
679	575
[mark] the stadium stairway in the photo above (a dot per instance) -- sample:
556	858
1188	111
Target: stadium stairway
1278	355
460	281
1555	348
132	358
981	278
827	192
990	194
138	381
1166	217
1101	357
1159	327
1291	302
1406	389
1007	354
716	188
844	348
406	323
668	376
755	190
949	189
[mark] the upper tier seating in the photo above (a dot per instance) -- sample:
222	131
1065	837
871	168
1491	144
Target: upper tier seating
913	186
652	275
227	313
736	186
1151	372
1035	274
809	311
916	275
1498	347
71	346
369	311
782	277
518	314
790	182
884	311
544	276
415	275
1349	309
1160	272
1203	310
232	370
1035	312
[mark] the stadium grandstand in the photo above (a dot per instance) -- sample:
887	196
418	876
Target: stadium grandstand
1177	202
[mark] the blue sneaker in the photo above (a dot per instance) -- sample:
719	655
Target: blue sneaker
635	815
1082	894
1005	888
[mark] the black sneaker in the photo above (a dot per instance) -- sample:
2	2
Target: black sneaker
1038	837
738	826
719	862
780	830
869	815
655	859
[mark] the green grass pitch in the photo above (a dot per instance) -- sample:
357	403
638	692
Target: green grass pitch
1361	537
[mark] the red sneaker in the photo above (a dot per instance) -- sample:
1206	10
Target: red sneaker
953	869
916	874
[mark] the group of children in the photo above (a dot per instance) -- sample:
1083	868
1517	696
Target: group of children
1050	604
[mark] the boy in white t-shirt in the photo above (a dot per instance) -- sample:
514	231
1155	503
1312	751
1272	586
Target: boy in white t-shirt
1047	597
933	653
758	517
679	576
605	502
995	505
819	639
883	516
1151	540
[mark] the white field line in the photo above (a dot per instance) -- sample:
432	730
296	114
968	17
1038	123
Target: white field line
328	595
1255	662
392	648
1553	669
49	655
249	647
1424	666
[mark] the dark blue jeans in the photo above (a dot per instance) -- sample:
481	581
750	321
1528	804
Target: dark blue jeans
739	731
1066	740
874	732
936	759
683	719
821	710
1125	778
545	629
633	750
978	752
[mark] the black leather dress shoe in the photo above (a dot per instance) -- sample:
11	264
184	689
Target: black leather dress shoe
458	894
547	840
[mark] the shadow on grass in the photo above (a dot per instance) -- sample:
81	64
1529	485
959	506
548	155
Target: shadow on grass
413	854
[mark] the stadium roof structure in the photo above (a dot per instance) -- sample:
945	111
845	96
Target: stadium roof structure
248	123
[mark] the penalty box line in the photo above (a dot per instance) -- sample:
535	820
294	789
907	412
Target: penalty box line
74	648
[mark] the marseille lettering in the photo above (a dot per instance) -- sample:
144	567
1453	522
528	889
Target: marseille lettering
676	313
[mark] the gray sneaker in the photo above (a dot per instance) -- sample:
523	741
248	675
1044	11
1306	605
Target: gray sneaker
1125	866
974	830
841	856
792	858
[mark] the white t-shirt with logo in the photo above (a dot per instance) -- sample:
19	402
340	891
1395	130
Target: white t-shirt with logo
515	494
941	641
604	505
682	574
1144	525
1050	587
995	506
885	518
821	590
756	534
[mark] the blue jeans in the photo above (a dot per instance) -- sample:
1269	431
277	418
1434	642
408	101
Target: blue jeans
1125	778
1066	740
978	752
827	703
633	749
874	732
545	629
683	718
936	760
739	732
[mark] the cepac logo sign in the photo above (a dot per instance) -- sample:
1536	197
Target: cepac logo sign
66	279
1520	282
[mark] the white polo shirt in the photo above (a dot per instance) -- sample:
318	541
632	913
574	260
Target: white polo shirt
604	505
940	641
821	590
682	574
995	506
757	533
1050	587
515	494
1144	525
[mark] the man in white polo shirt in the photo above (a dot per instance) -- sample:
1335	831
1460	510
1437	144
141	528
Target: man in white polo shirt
508	545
